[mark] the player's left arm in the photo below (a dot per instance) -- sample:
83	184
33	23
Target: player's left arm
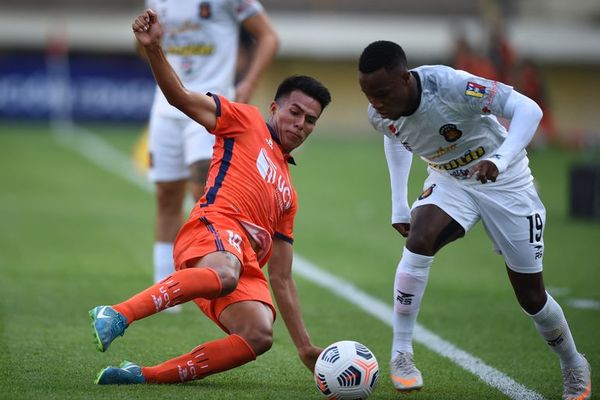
524	115
286	296
267	44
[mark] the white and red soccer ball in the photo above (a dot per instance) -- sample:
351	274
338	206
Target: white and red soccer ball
346	370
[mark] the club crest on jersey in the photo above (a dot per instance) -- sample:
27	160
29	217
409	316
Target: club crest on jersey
475	90
204	10
450	132
392	129
427	192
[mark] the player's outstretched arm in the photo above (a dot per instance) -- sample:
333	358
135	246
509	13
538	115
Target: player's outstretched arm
197	106
267	44
286	296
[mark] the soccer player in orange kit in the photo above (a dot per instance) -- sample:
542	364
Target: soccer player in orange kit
244	219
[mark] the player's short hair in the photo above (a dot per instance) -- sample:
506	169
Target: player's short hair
381	54
307	85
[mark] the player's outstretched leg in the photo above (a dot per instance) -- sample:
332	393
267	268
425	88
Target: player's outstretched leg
127	373
577	381
405	376
107	324
204	360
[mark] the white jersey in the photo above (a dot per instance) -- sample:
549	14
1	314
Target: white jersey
454	125
201	43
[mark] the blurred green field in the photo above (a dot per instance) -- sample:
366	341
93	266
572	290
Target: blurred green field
74	235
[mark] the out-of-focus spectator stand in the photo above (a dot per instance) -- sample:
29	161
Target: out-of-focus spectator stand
322	38
497	59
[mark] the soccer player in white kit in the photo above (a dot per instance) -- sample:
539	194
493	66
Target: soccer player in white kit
477	171
201	43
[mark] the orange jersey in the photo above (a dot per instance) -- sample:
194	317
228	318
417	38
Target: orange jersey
249	177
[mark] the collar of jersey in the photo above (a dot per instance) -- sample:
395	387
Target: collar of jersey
275	137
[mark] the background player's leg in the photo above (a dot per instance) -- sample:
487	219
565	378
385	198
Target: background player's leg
199	173
169	217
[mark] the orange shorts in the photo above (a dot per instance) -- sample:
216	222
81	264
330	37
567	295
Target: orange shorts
211	232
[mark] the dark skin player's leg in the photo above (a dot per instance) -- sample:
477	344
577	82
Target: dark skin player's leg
529	289
431	229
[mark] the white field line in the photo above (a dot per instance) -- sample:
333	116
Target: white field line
105	156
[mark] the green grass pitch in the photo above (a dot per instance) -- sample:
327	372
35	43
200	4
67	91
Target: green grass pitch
73	235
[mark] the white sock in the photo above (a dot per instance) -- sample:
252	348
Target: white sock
551	324
163	260
411	279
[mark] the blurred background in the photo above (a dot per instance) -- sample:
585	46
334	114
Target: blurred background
76	58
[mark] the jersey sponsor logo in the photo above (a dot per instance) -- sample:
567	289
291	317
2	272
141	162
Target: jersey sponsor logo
427	192
475	90
266	167
204	10
460	173
467	158
192	50
450	132
441	151
268	170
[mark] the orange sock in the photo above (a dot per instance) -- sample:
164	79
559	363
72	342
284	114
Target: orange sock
207	359
181	286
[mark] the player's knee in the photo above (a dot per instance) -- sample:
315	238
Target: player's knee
229	280
259	338
533	301
420	244
169	198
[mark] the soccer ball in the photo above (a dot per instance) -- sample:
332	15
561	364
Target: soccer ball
346	370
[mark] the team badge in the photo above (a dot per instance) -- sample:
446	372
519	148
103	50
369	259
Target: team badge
475	90
204	10
392	129
450	132
427	192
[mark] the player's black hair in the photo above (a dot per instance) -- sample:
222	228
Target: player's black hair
381	54
307	85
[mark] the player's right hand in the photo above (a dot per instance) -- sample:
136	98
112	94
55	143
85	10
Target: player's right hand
309	356
147	28
402	227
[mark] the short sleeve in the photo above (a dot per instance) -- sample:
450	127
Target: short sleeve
381	125
233	117
480	95
285	227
